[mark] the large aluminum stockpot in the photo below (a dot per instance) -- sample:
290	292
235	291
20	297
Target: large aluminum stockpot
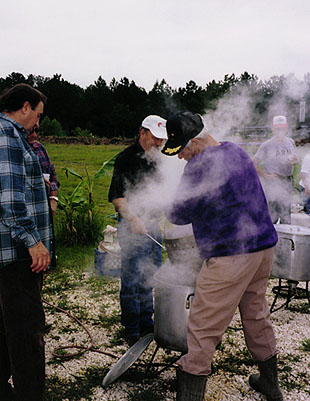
175	284
292	253
184	252
172	306
182	248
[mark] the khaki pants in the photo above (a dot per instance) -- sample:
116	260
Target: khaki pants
223	284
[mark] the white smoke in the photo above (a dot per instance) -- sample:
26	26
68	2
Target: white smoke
155	192
287	101
150	200
234	112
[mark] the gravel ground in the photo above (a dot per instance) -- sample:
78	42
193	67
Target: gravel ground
232	362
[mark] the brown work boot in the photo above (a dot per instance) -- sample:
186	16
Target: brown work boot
267	381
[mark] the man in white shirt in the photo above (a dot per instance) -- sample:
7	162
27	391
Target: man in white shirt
274	162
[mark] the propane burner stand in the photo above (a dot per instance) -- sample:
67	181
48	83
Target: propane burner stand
290	291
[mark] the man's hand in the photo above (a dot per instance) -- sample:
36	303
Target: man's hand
47	182
137	226
53	204
40	257
293	159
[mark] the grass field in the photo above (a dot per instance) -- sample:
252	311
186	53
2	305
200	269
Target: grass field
79	158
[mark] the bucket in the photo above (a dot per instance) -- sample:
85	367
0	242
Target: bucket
107	262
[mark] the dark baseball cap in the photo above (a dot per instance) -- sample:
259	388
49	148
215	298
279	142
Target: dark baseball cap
181	127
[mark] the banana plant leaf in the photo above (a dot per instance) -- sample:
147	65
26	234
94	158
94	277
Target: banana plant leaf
106	167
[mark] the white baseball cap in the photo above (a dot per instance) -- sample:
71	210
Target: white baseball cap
279	122
156	125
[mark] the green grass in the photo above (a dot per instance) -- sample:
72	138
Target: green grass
71	262
306	345
79	157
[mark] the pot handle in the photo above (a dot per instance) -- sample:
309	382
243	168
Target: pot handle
292	243
188	302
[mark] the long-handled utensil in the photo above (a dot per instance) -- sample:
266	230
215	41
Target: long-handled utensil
153	239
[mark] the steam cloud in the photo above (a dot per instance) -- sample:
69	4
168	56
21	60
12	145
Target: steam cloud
235	111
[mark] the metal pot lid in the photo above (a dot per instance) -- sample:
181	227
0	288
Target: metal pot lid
292	229
128	359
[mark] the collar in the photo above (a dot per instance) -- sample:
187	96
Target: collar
18	126
34	144
141	150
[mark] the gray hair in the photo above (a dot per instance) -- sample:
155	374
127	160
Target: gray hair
202	134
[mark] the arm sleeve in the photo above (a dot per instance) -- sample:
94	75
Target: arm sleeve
305	166
117	187
260	154
186	202
53	179
54	184
14	213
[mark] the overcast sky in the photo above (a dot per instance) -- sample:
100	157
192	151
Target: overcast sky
148	40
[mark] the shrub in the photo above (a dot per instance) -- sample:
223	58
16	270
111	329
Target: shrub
83	230
79	223
50	127
79	132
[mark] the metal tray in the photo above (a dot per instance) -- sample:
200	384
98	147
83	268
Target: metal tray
128	359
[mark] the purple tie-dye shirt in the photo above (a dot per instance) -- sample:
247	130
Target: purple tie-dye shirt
221	196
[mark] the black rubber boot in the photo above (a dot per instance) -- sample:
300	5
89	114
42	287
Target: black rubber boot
267	382
190	387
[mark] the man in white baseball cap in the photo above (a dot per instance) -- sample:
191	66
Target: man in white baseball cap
279	122
274	162
156	125
134	170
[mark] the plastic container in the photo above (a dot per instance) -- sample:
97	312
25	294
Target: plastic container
107	263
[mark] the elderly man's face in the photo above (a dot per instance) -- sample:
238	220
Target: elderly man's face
188	152
148	140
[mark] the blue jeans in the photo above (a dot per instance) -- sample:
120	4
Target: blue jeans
141	258
305	200
281	207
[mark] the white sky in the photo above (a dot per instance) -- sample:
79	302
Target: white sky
148	40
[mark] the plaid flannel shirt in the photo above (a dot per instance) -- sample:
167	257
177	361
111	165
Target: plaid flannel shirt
46	164
24	210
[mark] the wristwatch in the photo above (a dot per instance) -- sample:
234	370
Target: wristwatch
54	197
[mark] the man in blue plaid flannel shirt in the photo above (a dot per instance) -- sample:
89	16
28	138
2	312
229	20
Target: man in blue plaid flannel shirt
25	244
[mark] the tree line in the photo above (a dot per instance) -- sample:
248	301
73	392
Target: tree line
117	109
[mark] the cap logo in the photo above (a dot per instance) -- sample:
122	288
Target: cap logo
172	150
159	124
